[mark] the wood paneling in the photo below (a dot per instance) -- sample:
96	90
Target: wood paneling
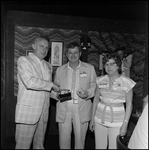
10	99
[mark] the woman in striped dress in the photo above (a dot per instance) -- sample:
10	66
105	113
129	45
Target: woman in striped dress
109	117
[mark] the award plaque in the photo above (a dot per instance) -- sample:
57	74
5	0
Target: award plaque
65	95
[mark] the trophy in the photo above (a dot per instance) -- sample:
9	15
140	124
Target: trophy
64	95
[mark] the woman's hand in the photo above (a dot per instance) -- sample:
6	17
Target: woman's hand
92	125
123	129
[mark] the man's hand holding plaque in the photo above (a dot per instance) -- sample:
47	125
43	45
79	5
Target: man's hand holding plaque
56	87
64	95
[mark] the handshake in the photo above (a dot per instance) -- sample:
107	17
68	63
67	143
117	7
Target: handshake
65	94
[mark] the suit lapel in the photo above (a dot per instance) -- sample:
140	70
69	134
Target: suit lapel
46	72
37	67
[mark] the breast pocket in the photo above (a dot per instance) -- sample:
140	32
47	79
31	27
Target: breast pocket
84	82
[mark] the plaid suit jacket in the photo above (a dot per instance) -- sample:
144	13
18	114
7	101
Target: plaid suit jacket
33	90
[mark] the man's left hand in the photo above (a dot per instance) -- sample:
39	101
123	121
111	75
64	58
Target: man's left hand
82	94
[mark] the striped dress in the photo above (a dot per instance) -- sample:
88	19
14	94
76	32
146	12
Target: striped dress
110	110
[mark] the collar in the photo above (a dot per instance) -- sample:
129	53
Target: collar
38	60
81	64
68	66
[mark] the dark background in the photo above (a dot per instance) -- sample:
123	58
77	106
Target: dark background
121	10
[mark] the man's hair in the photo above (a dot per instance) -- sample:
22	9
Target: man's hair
73	45
41	37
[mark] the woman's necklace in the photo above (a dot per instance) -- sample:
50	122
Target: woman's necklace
110	86
113	81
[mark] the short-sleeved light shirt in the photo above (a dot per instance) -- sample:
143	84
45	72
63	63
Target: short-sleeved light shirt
119	89
117	94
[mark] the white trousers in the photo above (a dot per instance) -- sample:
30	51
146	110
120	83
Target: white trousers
65	129
105	137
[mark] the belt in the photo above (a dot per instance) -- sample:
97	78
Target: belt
110	105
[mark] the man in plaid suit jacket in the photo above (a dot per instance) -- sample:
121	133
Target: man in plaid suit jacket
35	85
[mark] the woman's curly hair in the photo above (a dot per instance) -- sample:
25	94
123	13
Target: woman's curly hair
116	58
